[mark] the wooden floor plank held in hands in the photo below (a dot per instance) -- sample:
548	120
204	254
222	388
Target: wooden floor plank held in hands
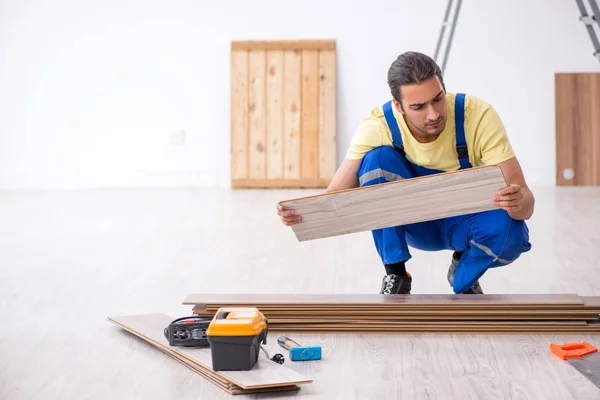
501	313
396	203
266	376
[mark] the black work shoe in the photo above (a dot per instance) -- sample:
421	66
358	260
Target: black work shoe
396	284
475	289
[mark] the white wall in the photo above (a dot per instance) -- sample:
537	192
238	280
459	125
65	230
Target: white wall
89	91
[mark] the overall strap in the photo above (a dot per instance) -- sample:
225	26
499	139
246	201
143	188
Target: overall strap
393	125
461	143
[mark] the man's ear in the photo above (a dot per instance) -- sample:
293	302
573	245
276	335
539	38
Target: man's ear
398	106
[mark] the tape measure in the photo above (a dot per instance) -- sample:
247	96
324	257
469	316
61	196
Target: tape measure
188	331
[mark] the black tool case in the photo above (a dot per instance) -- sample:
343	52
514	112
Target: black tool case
235	336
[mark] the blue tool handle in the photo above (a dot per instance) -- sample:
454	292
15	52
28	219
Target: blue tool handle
305	353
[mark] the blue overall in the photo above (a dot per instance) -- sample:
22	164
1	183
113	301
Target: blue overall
487	239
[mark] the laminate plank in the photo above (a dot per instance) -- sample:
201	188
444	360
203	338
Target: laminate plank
456	311
428	314
591	301
396	203
412	300
378	312
406	308
225	385
420	319
438	331
265	373
441	323
209	375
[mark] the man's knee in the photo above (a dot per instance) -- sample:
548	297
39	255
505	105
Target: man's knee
501	237
380	165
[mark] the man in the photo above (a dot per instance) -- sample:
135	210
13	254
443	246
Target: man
424	130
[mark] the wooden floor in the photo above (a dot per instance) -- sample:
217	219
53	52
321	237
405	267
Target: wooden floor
70	259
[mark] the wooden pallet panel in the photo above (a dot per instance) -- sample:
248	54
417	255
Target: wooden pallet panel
283	105
265	374
396	203
577	110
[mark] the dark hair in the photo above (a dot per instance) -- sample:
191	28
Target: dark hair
411	67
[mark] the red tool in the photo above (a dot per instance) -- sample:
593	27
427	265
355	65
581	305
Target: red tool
572	350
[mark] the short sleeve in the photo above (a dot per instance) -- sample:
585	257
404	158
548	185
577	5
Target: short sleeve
493	146
367	137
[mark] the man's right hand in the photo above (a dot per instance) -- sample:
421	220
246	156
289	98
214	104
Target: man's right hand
345	178
288	217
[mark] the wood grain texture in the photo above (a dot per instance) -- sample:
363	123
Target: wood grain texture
577	103
283	45
373	314
257	158
396	203
327	114
289	94
309	155
239	114
144	250
264	374
292	111
274	150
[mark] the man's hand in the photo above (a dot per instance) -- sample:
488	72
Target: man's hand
510	198
516	198
288	217
344	178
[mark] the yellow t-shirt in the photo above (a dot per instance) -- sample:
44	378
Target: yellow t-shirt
486	137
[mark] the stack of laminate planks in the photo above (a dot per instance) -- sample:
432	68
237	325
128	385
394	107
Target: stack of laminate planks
266	376
416	313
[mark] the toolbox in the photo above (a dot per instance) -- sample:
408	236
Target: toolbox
235	336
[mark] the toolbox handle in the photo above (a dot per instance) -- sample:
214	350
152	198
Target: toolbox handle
223	315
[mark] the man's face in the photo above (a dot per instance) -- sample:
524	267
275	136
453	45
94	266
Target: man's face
424	106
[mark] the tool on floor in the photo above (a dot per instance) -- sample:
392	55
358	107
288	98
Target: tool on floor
583	356
188	331
235	336
298	352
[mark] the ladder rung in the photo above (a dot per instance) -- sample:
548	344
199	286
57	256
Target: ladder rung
588	20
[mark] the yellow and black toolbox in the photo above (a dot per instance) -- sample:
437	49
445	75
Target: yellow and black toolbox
235	335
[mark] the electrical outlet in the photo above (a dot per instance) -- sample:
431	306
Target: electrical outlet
177	136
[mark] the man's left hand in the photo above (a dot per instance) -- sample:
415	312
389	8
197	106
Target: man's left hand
510	198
